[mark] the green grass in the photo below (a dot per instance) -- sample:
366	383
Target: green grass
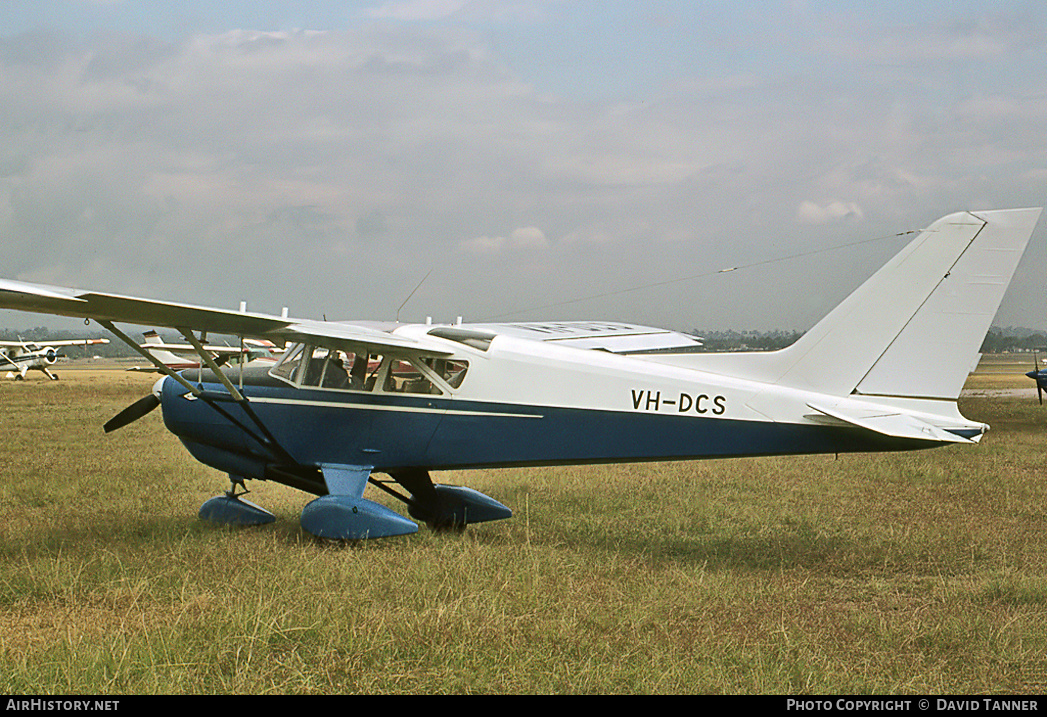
899	573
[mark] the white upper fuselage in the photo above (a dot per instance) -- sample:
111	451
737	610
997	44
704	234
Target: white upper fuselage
543	373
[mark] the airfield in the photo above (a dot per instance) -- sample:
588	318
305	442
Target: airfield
913	573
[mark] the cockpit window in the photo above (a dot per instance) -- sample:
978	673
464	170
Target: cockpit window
288	365
327	369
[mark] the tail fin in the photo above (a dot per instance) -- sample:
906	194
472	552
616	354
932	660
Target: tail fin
912	330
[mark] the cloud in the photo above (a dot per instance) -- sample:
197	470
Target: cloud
521	239
811	213
417	9
328	168
466	10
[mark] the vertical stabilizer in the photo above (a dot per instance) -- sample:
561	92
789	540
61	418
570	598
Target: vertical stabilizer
933	354
914	328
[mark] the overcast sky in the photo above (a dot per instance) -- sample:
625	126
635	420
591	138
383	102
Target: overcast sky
551	159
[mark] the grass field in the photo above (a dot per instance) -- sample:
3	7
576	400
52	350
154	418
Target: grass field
902	573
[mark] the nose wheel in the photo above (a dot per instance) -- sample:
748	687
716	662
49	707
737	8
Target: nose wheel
231	509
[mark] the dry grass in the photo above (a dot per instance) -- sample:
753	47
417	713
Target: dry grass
905	573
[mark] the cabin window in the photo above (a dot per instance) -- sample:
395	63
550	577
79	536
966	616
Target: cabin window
404	377
324	368
318	367
344	370
451	371
328	369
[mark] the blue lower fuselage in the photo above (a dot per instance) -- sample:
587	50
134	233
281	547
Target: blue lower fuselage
388	432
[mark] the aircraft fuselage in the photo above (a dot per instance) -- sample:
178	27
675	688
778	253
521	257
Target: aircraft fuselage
541	404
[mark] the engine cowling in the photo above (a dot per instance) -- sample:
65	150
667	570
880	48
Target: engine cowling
50	355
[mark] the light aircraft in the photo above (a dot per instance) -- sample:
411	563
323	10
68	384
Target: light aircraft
178	357
350	402
24	356
1039	375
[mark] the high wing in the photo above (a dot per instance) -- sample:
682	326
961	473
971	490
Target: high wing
611	336
107	308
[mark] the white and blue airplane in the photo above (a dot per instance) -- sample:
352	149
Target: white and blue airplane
349	402
20	357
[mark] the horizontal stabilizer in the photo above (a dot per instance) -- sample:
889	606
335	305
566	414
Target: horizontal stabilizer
899	424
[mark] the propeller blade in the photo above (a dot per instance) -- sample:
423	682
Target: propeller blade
132	413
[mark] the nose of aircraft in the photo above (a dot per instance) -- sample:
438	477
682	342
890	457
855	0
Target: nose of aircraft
137	409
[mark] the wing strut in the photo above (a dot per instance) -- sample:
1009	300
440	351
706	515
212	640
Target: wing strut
148	356
209	360
5	357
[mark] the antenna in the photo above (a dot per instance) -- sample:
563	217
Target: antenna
725	270
412	294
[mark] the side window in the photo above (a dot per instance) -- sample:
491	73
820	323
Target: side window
453	372
288	366
353	371
328	369
404	377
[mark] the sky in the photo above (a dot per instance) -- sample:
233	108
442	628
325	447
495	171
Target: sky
504	160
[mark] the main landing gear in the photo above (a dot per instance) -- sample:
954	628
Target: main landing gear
344	514
445	507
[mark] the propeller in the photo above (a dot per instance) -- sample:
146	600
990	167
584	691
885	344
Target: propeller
136	410
1040	385
132	413
1038	378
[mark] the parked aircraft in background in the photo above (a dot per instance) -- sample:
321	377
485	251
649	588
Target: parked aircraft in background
178	357
351	401
20	357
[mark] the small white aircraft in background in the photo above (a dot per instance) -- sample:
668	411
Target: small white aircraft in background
179	357
20	357
352	400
